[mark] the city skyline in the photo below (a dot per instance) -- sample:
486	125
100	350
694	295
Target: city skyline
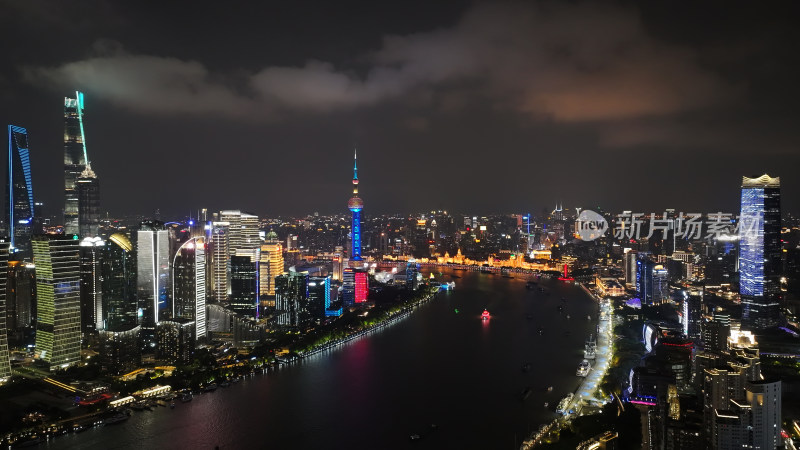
550	117
579	229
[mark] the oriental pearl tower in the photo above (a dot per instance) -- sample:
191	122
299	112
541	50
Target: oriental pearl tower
355	205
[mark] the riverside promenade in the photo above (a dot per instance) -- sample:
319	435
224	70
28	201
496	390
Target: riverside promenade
588	392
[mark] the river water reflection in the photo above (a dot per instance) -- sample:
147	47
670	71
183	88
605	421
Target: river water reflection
443	365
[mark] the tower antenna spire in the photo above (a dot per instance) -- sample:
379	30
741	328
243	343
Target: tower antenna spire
355	164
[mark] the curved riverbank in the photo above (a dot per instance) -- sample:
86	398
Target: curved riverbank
443	366
388	321
588	392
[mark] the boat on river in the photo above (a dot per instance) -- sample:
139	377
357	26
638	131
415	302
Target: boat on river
590	349
563	405
583	368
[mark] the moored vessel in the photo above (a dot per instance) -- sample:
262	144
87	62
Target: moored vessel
584	368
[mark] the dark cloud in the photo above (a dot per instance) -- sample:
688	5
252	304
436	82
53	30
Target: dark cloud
480	106
568	63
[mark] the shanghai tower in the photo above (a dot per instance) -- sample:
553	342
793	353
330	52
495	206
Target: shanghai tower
75	160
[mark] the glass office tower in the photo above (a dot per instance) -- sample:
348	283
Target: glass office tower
244	285
189	284
152	276
19	193
118	269
5	362
58	293
760	251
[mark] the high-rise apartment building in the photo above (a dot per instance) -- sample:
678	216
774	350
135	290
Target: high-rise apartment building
760	251
764	398
630	258
219	271
119	348
189	284
19	193
175	341
58	325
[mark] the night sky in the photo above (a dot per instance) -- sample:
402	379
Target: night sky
466	106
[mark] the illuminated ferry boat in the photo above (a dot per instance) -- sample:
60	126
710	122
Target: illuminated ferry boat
485	315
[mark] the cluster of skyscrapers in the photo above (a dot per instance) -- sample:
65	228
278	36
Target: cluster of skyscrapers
160	288
700	384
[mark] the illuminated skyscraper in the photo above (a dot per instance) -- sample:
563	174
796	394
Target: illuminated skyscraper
291	298
243	230
644	280
152	270
19	193
91	250
58	295
118	269
75	159
354	287
271	265
693	315
189	284
760	251
5	363
19	295
319	296
88	187
220	259
244	285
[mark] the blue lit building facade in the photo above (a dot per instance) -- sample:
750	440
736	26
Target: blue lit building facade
354	278
355	205
19	193
319	296
644	280
760	251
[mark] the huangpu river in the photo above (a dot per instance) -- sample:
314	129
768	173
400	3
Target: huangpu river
443	374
